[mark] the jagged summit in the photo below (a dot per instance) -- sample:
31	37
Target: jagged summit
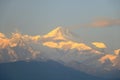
58	28
54	32
59	33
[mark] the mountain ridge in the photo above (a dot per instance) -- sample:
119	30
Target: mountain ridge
58	45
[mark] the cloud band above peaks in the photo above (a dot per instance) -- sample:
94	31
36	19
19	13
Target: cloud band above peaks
105	23
99	23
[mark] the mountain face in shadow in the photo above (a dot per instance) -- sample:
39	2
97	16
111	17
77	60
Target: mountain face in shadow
34	70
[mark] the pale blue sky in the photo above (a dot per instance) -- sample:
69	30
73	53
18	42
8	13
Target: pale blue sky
40	16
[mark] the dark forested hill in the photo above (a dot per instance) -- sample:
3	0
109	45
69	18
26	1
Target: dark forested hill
34	70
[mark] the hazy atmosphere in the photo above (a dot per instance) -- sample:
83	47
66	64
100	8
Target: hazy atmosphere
35	17
81	34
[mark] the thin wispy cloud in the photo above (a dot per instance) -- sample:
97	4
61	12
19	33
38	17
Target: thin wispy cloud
99	23
105	23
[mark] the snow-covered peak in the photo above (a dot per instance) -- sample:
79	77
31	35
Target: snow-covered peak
58	33
61	38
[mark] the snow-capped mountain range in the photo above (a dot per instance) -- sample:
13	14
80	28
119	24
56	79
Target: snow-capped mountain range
59	45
